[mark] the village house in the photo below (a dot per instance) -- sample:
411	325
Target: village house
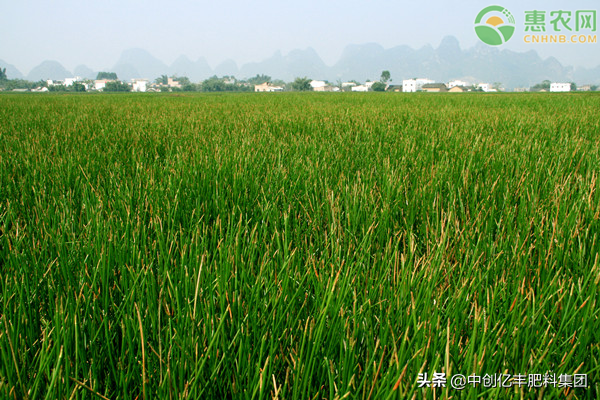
360	88
267	87
316	85
560	87
322	86
454	83
434	87
99	84
52	82
139	85
486	87
70	81
458	89
172	83
414	85
393	88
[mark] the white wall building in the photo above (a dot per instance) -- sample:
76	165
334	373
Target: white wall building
452	84
139	85
414	85
485	87
100	84
51	82
267	87
409	85
360	88
560	87
317	84
70	81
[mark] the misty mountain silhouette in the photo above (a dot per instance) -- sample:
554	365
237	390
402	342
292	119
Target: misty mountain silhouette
361	62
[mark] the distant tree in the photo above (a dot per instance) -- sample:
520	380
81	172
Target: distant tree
301	84
385	77
3	76
77	87
57	88
162	80
183	80
214	84
545	85
259	79
11	84
191	87
107	75
378	87
593	88
117	87
497	86
225	84
573	87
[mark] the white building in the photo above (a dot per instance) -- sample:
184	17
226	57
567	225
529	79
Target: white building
414	85
560	87
317	84
139	85
452	84
360	88
267	87
51	82
486	87
100	84
409	85
70	81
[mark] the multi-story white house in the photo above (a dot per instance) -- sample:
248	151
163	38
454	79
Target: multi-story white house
454	83
51	82
560	87
70	81
267	87
485	87
317	84
414	85
360	88
139	85
99	84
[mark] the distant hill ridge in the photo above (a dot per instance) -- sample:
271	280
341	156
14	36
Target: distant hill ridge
360	62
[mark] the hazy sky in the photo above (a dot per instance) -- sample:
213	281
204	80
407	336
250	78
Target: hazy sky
95	33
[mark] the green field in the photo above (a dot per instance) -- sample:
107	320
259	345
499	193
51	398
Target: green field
297	246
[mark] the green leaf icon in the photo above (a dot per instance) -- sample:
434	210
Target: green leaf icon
489	35
507	31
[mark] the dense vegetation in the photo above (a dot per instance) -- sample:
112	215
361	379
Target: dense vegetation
296	245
